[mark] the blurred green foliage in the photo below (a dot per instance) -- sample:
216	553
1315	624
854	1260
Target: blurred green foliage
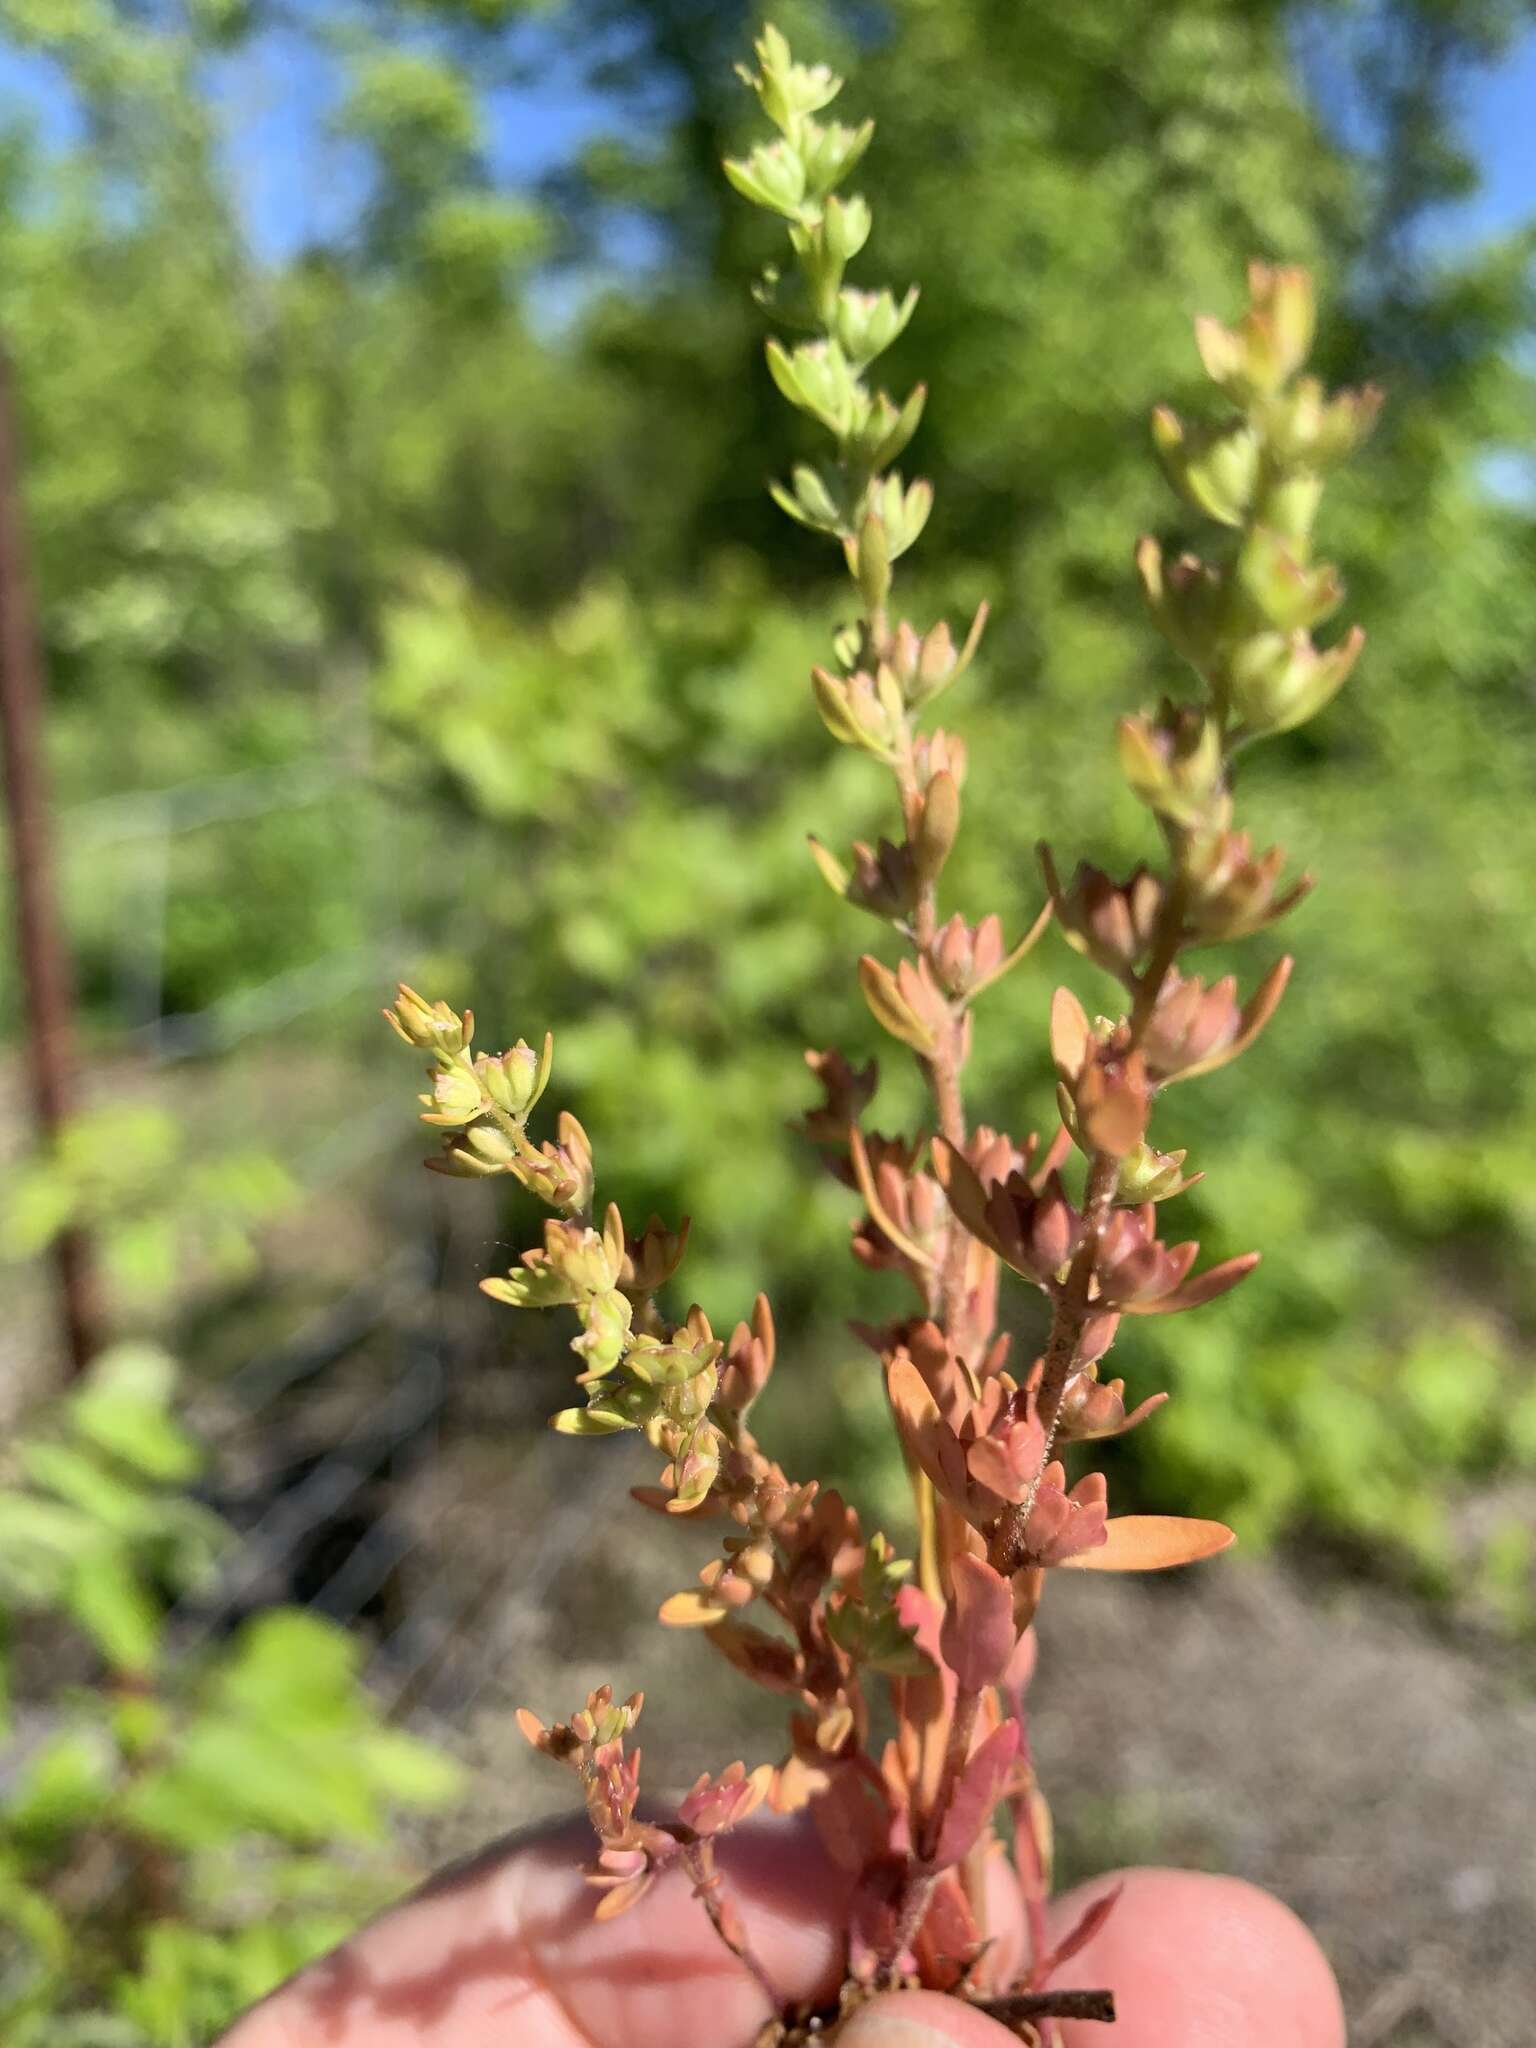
416	495
163	1216
178	1830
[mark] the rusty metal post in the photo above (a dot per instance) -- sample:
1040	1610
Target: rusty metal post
41	952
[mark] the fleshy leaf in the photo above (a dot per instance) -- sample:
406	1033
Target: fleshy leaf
978	1635
1152	1543
980	1787
1198	1288
691	1609
1078	1938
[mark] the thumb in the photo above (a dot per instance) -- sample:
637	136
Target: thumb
923	2019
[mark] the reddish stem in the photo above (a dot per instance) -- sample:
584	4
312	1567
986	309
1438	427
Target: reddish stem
699	1861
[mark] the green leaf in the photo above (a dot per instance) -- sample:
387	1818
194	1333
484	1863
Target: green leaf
124	1409
114	1608
286	1664
62	1785
40	1541
410	1771
83	1482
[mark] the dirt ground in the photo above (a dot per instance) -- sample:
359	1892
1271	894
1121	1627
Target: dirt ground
1306	1732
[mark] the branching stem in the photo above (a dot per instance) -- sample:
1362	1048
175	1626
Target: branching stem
699	1861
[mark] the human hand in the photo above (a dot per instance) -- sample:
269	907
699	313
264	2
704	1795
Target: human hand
503	1952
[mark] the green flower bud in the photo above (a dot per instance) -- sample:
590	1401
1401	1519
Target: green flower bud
696	1467
1147	1175
829	152
1270	343
844	227
869	558
515	1080
1174	764
815	377
1306	427
1279	681
875	437
812	502
605	1321
861	710
902	512
460	1163
662	1364
866	323
1290	504
1287	594
786	89
1187	599
490	1143
432	1027
455	1098
772	176
1215	469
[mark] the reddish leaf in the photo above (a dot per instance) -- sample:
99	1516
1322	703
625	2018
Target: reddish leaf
1151	1543
948	1939
917	1418
1071	1034
1200	1288
980	1788
1080	1936
1021	1666
872	1924
1257	1011
853	1818
767	1660
962	1187
978	1635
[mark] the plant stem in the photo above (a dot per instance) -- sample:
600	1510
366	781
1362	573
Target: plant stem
699	1862
921	1875
1027	1854
962	1726
1166	941
1067	1324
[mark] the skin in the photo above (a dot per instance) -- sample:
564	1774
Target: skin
503	1952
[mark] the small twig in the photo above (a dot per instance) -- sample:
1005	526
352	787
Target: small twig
1049	2005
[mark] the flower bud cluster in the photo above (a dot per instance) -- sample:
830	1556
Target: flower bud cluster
482	1102
632	1853
1246	625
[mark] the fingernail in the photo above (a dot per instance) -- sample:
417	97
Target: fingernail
916	2019
873	2028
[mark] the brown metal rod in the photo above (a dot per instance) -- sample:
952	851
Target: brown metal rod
41	952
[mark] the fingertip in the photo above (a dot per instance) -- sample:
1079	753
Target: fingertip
922	2019
1209	1962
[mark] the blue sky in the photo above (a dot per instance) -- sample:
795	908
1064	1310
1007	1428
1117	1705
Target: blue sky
293	185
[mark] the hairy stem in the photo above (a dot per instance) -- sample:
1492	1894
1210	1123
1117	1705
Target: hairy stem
1067	1325
962	1727
1167	938
699	1861
1029	1856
